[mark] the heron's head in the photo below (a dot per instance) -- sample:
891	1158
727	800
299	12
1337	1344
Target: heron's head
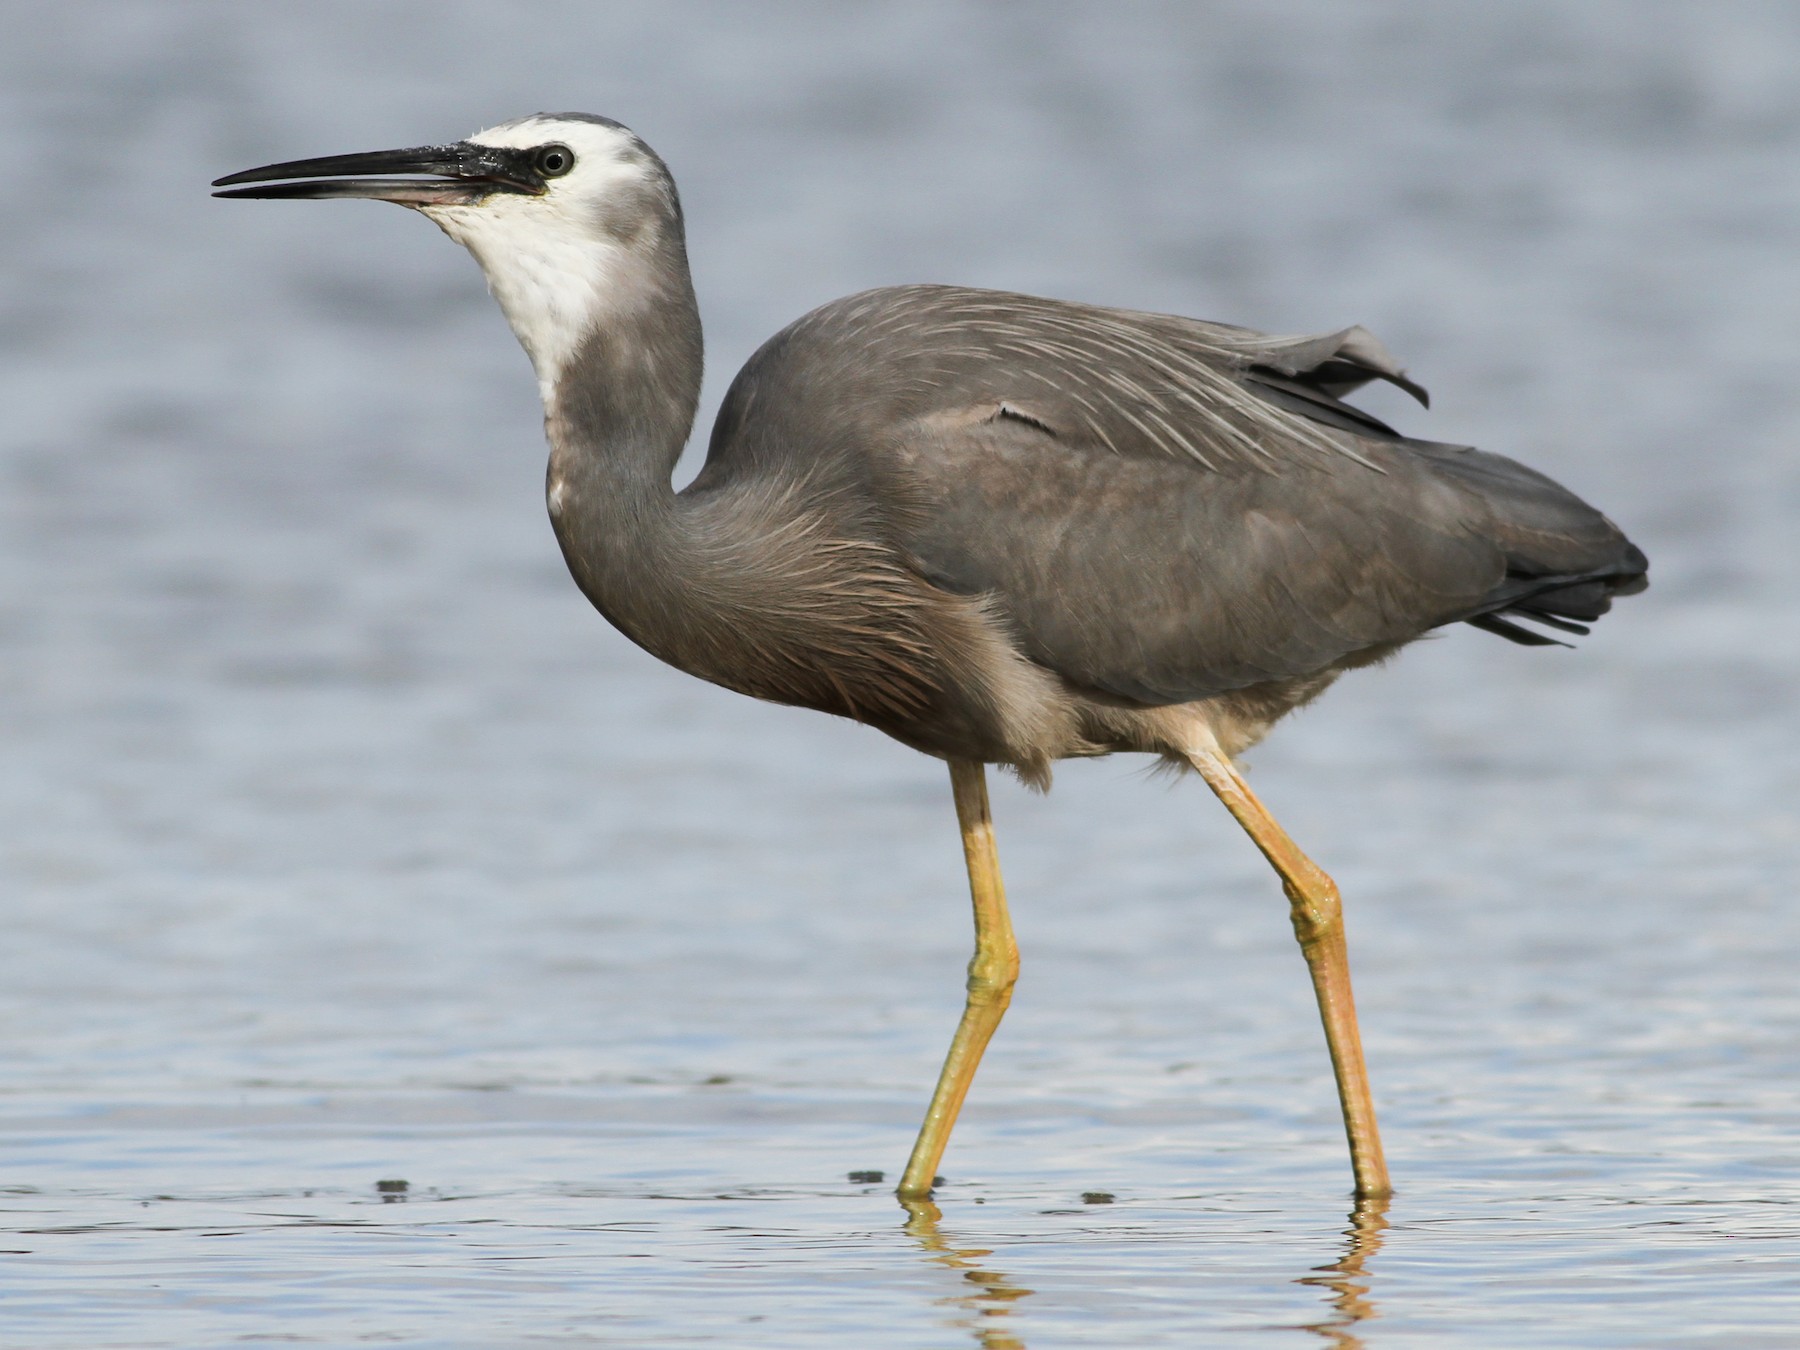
572	217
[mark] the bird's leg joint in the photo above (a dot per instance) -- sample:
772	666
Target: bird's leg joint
1314	905
992	975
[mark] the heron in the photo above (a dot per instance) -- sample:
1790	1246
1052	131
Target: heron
1001	529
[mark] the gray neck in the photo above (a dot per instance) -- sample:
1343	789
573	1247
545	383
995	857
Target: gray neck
617	422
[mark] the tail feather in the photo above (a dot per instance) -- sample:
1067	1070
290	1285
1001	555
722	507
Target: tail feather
1565	562
1566	603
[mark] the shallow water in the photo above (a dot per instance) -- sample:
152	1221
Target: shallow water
341	844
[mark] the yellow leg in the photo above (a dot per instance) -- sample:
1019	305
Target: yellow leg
1318	923
992	971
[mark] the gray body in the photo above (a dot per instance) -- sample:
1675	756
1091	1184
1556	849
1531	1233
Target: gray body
1017	530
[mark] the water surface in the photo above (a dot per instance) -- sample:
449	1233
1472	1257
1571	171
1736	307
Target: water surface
341	844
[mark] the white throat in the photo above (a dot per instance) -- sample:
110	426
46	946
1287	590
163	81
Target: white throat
558	273
554	284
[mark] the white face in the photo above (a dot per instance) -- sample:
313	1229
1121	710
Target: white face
561	263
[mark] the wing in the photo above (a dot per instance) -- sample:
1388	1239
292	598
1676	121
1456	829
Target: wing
1137	385
1162	509
1156	583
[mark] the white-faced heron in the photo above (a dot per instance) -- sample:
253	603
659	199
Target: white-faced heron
1001	529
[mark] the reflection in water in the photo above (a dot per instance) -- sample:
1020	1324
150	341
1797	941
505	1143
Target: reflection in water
1344	1277
984	1308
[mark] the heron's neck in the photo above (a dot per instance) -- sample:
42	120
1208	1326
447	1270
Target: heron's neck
619	412
618	415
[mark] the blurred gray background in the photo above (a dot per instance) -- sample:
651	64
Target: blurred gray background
340	840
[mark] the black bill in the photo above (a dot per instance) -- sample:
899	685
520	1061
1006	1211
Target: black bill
455	175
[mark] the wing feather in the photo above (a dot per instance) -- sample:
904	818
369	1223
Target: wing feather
1162	509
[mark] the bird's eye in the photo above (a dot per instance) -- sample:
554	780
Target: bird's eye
553	161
